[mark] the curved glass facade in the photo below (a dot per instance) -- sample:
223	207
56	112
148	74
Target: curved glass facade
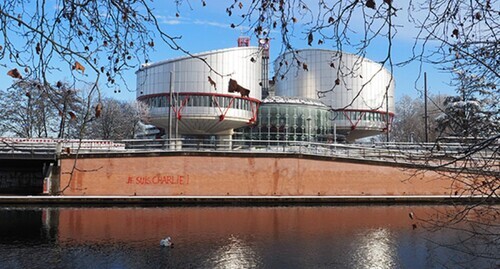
199	100
290	119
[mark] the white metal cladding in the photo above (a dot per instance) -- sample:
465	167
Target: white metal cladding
357	76
201	124
190	76
191	73
361	94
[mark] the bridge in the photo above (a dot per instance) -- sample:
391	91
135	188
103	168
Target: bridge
26	163
23	165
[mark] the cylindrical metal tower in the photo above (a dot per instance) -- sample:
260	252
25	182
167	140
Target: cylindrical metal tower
359	91
202	102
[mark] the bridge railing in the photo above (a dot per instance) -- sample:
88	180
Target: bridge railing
427	154
46	146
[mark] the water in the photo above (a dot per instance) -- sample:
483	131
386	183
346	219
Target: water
226	237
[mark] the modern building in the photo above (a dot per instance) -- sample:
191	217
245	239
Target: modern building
290	119
359	92
315	95
197	88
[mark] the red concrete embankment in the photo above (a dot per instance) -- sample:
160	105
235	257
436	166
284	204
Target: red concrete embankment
220	174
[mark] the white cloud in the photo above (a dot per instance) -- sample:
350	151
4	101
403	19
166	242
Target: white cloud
211	23
171	22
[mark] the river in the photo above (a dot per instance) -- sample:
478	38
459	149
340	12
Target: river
354	236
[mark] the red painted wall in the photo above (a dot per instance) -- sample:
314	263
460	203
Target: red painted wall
237	175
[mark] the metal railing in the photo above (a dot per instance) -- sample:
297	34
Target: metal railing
426	154
429	154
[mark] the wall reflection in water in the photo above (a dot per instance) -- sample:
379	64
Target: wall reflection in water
216	237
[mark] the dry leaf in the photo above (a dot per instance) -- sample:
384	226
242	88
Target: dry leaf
14	73
98	109
212	83
79	66
72	115
370	4
337	81
310	38
240	5
294	19
304	66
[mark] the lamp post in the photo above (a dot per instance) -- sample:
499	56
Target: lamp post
308	129
170	108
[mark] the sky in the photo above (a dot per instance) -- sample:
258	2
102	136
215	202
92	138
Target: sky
208	28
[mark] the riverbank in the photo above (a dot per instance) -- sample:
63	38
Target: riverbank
237	200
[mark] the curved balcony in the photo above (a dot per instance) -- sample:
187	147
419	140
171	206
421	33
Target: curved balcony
198	113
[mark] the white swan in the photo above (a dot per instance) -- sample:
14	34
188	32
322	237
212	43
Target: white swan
167	242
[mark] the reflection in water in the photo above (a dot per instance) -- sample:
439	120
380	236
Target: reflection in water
219	237
375	249
235	254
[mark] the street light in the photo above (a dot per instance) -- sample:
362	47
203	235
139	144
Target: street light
309	129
